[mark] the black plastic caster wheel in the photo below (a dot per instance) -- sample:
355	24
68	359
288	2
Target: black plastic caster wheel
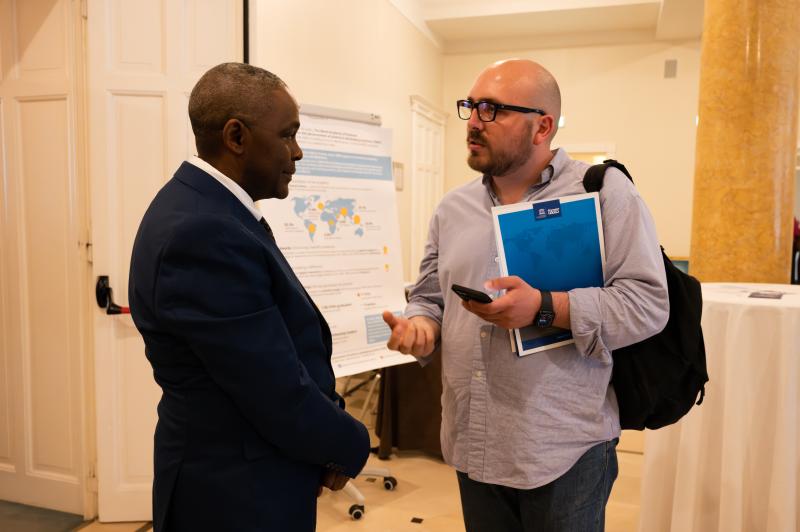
389	483
356	512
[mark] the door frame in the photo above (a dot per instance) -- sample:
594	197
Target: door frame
77	66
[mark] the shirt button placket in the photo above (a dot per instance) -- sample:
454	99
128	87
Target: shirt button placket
478	404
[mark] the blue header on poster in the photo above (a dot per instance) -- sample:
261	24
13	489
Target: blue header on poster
325	163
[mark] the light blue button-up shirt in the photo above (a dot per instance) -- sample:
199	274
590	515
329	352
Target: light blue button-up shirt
524	421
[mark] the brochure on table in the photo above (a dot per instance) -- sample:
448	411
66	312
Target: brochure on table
554	244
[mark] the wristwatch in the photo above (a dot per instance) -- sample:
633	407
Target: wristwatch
546	314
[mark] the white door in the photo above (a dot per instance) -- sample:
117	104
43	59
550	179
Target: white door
427	173
44	273
144	58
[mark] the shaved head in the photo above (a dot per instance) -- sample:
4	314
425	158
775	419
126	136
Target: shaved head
229	90
529	83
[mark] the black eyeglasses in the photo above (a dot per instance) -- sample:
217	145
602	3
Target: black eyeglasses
488	110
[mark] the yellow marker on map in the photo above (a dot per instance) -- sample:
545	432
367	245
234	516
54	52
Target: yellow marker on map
344	211
357	219
312	228
331	222
385	250
320	205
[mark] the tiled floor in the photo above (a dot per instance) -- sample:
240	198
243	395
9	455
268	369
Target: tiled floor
426	490
115	527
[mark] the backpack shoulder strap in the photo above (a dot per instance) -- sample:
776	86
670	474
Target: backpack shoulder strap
593	180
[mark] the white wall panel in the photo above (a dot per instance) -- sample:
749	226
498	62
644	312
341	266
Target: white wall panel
137	35
138	174
135	409
47	298
209	48
139	148
40	35
427	173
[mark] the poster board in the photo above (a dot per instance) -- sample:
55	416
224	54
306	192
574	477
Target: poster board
338	228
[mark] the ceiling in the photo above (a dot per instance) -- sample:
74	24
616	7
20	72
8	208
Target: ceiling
463	26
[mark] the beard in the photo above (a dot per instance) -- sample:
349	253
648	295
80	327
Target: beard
499	161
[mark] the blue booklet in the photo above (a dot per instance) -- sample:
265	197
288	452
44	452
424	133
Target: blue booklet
554	244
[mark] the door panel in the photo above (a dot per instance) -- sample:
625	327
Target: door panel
145	57
43	356
427	174
49	265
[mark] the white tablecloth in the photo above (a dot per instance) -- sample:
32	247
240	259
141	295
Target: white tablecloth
733	463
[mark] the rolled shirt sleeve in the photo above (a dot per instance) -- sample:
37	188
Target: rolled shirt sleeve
425	297
633	304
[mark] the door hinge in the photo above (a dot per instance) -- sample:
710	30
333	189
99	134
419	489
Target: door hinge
87	246
91	483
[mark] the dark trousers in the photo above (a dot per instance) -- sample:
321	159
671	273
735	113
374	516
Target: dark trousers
574	502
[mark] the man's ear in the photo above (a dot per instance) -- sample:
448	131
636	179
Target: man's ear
545	130
235	136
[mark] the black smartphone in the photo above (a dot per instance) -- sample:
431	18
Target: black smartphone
468	294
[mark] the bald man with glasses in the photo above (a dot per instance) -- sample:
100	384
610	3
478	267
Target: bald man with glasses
533	439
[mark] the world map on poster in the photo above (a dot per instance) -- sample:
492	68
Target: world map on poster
330	216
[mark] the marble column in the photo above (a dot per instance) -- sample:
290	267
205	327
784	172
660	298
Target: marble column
746	141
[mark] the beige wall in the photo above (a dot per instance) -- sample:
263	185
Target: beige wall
360	55
612	95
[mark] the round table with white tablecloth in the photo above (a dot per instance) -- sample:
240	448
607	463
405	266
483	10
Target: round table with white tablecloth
733	463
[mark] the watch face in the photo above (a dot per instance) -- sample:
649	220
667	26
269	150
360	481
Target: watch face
545	318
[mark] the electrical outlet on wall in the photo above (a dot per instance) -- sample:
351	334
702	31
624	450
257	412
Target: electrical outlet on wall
397	174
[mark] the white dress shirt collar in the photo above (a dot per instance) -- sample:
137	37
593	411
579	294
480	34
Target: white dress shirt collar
228	183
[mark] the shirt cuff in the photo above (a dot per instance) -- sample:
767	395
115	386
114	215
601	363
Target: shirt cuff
585	316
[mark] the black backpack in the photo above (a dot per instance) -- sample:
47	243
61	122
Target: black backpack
658	379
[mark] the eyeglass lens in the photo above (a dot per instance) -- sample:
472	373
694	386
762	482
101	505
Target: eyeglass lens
486	110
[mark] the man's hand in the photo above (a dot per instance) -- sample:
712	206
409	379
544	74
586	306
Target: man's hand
412	336
516	308
333	481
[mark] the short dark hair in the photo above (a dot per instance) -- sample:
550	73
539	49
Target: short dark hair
228	90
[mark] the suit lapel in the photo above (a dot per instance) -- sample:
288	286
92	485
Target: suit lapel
194	177
287	269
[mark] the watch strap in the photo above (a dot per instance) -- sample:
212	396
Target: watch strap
547	301
546	314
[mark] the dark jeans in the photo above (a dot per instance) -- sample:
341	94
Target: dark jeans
574	502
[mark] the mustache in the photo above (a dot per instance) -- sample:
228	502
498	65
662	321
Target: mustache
475	136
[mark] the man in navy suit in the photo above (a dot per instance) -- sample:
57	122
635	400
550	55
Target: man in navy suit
249	425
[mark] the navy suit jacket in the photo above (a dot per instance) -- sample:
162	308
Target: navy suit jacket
249	418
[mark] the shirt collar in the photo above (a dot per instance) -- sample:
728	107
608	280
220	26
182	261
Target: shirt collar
550	172
228	183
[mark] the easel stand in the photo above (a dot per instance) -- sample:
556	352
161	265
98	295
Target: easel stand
357	510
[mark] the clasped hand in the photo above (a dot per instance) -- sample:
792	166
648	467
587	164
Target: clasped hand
332	480
515	309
